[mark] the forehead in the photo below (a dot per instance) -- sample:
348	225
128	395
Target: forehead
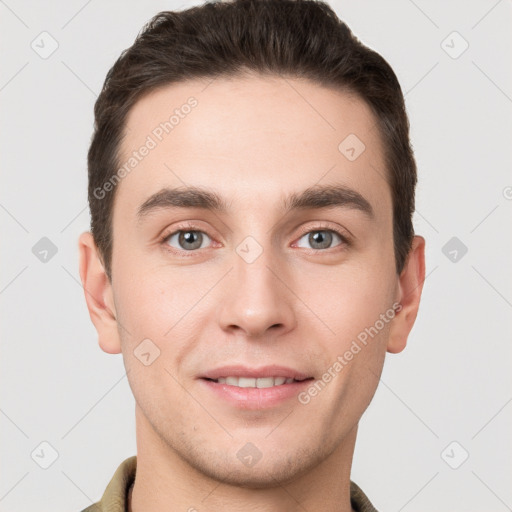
250	138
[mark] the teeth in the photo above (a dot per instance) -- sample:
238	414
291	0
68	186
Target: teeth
244	382
249	382
267	382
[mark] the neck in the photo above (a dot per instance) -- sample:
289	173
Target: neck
165	482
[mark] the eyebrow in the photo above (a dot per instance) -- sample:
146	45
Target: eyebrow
316	197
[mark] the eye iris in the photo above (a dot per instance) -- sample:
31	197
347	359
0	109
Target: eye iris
190	237
324	238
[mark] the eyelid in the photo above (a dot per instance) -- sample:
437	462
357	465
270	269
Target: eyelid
343	233
183	226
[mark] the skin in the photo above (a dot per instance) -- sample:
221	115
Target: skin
252	140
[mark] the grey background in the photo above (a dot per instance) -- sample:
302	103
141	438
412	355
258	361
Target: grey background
452	382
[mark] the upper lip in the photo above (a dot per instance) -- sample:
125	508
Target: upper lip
260	372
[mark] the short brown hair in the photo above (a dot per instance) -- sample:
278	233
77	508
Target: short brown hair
297	38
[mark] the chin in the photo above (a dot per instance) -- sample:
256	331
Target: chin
268	472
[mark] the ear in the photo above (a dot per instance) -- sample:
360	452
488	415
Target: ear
410	285
98	294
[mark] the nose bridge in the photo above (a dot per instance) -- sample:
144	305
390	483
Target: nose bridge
256	299
252	268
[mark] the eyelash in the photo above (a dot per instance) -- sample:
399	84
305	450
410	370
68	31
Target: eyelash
345	242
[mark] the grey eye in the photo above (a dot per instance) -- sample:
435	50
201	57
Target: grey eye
188	240
320	239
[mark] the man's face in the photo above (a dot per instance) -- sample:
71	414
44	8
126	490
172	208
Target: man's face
258	289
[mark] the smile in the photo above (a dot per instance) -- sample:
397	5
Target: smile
251	382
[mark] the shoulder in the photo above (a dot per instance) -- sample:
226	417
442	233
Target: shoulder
115	496
359	500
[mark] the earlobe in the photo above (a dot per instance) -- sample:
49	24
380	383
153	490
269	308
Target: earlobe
98	294
410	286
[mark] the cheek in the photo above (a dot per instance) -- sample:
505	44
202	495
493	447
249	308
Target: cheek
152	308
165	306
358	307
150	301
350	299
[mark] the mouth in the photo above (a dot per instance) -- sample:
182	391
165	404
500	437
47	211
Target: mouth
256	382
254	388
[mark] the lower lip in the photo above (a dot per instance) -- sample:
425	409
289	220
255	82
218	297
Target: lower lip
256	398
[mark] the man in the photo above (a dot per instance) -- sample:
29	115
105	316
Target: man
252	254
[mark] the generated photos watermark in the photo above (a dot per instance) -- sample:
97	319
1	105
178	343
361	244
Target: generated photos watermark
156	136
342	360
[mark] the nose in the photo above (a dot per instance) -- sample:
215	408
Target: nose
256	300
